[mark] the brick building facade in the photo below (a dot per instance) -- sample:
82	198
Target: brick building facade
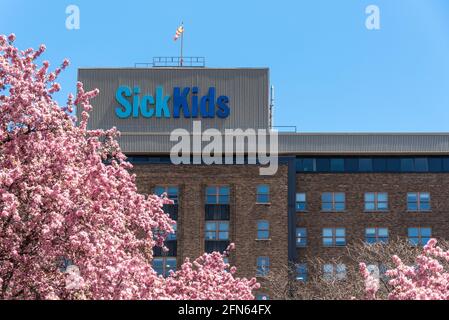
330	189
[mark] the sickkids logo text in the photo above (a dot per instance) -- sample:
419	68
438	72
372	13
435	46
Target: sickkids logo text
185	102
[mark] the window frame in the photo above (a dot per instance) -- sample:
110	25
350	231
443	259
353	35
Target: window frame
334	274
217	230
262	194
165	270
166	189
259	268
261	229
333	202
298	244
301	202
302	269
334	237
419	237
418	202
174	235
376	202
376	236
218	194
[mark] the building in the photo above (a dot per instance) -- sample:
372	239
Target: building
329	189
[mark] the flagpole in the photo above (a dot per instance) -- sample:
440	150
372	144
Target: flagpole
182	42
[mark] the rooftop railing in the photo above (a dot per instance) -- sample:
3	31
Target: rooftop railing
161	62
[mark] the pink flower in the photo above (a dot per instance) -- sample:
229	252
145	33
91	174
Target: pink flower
12	37
60	202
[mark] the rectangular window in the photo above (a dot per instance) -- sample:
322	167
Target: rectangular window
377	271
322	165
337	165
379	164
301	204
333	201
263	266
171	191
376	235
301	272
393	165
301	237
334	271
305	165
351	165
407	165
217	231
376	201
421	165
334	237
172	236
163	265
263	193
263	229
419	236
435	165
418	201
217	195
365	165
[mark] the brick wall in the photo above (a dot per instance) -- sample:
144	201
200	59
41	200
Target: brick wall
355	220
242	179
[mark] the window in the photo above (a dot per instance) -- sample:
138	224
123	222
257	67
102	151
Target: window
373	164
421	165
377	270
301	272
168	236
263	229
365	165
337	165
334	271
322	165
171	191
263	266
418	201
351	165
217	195
301	204
407	165
301	237
419	236
263	193
435	165
163	265
217	230
379	165
172	236
334	237
375	235
333	201
376	201
305	165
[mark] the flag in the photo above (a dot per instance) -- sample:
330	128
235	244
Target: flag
179	32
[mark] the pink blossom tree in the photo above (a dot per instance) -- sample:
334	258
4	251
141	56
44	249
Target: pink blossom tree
428	279
66	195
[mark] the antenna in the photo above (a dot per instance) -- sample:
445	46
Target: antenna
271	107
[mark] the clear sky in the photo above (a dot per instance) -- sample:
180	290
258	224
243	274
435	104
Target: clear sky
331	73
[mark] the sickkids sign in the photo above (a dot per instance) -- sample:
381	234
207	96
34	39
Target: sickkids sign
184	102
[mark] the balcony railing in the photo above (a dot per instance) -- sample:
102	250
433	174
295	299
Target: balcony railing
167	62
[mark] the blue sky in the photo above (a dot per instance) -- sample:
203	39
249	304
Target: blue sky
331	73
